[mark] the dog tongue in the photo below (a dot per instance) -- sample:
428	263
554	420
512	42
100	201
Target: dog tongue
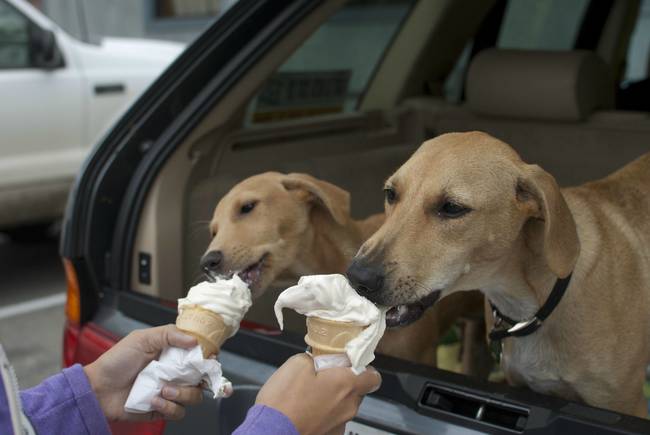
402	315
250	276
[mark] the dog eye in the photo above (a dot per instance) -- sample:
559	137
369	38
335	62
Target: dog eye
451	210
390	194
248	207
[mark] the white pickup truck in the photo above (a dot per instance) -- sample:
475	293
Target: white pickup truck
57	96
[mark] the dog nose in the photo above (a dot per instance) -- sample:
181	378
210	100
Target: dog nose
365	278
211	262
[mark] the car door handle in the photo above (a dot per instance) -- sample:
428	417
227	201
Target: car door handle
110	88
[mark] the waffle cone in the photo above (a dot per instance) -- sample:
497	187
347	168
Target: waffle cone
206	326
329	336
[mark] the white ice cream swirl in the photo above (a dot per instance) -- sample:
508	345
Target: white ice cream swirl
331	297
229	298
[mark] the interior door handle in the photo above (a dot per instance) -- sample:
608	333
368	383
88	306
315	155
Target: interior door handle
110	88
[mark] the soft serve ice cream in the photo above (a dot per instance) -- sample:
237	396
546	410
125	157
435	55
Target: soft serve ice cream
332	298
211	312
230	298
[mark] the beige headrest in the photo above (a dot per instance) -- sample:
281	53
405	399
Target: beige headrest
551	85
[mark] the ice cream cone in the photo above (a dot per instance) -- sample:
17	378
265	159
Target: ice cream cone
206	326
329	336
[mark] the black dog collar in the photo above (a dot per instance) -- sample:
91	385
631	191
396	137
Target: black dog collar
527	327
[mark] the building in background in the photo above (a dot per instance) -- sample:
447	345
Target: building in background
178	20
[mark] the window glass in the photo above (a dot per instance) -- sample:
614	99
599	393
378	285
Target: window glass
14	38
638	55
542	24
190	8
331	70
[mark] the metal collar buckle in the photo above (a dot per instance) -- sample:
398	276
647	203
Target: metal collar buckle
523	326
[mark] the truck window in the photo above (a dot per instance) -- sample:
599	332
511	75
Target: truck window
331	70
14	38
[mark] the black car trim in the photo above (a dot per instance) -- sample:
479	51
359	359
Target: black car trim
592	25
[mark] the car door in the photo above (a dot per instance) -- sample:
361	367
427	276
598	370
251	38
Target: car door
40	102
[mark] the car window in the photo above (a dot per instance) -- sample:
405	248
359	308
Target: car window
14	38
638	55
331	70
541	24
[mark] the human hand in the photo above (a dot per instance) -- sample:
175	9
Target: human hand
112	375
317	402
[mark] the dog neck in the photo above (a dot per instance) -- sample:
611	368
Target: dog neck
523	283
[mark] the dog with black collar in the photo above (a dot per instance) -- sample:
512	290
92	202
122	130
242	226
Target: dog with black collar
567	271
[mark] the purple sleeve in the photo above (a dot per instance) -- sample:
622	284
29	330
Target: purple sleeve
64	403
6	425
265	420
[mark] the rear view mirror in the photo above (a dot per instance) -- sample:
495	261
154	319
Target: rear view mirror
43	51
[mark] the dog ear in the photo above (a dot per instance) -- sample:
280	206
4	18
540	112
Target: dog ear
332	198
560	237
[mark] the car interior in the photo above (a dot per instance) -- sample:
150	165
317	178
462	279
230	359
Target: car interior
354	89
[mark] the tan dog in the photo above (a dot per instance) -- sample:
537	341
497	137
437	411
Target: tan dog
276	226
466	212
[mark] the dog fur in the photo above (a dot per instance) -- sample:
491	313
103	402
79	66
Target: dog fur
512	232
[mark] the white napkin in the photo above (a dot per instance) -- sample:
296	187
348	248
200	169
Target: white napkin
324	362
177	366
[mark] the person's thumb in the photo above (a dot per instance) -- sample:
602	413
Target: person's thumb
367	382
167	336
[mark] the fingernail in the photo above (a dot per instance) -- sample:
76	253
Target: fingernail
170	392
157	403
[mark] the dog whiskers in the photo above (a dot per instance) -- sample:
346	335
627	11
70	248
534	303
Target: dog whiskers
421	286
